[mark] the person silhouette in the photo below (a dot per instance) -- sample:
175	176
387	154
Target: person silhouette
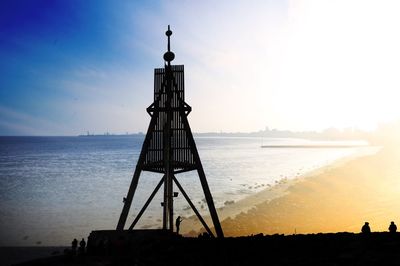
392	227
178	223
82	246
74	246
366	229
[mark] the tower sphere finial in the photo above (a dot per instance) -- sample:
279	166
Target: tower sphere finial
168	32
169	56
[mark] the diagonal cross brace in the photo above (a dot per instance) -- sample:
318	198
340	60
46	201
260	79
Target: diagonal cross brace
147	203
193	207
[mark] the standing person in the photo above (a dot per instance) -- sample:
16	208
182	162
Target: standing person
392	227
82	246
178	223
74	246
366	229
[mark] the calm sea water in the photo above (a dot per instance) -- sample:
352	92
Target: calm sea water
54	189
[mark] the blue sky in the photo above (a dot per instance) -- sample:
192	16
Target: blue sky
55	53
68	67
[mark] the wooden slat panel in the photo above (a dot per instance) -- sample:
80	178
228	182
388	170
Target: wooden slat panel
181	152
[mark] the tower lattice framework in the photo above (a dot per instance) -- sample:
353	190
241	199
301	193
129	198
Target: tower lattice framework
169	148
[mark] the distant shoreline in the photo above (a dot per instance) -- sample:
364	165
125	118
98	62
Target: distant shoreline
331	134
345	141
311	135
312	146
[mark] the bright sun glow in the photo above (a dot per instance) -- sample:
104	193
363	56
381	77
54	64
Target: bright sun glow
314	65
342	62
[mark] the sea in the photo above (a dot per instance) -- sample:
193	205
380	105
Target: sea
55	189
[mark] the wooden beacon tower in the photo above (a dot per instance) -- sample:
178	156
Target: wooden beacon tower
169	148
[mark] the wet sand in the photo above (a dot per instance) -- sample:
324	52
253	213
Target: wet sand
337	198
13	255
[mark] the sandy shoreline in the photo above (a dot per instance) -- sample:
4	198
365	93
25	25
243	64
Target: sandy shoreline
335	198
13	255
297	205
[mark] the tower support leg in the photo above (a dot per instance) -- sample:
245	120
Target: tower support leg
202	176
129	197
136	175
210	202
165	204
170	202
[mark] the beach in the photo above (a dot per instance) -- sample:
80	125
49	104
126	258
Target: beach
55	189
337	198
13	255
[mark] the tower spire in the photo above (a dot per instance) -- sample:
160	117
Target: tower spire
169	56
168	33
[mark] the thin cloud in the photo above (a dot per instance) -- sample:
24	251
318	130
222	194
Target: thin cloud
21	123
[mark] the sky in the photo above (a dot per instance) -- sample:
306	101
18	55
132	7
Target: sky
68	67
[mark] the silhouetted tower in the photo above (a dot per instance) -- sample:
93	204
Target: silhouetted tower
169	147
